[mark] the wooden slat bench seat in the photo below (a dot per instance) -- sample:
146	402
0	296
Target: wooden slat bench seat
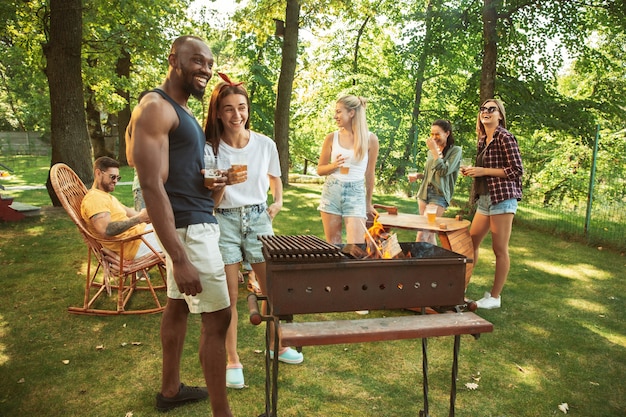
312	333
379	329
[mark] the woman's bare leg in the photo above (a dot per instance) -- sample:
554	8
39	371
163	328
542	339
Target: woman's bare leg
501	225
232	278
332	227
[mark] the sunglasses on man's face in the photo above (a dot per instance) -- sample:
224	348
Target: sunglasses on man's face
488	109
115	177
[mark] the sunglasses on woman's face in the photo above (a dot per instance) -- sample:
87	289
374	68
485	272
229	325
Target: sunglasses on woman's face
488	109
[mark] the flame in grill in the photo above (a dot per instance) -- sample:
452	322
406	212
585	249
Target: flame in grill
380	244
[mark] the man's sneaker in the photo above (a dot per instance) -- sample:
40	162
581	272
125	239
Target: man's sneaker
289	355
488	302
185	395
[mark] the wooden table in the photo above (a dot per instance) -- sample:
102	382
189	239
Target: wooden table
453	234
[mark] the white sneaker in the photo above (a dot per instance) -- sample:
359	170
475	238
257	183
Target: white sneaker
488	302
289	355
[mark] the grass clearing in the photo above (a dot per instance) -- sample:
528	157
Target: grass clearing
560	337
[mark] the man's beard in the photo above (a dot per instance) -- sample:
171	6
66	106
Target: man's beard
189	85
197	93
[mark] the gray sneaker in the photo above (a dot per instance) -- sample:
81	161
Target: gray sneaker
488	302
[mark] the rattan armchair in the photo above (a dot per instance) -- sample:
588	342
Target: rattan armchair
109	274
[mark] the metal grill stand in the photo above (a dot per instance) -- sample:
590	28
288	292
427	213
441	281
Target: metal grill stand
307	275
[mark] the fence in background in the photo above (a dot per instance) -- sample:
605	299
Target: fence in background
23	143
599	221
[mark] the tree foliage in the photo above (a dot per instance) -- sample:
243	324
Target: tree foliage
559	65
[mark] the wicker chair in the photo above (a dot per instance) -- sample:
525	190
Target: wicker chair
106	270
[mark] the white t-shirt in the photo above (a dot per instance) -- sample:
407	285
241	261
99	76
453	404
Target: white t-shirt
357	168
262	157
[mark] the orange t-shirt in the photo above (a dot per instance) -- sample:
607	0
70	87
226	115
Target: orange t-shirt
98	201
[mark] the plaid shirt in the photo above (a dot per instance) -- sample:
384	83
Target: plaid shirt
503	152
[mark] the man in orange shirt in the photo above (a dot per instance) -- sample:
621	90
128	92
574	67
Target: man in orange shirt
107	217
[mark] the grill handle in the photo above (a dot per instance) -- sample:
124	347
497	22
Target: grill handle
253	307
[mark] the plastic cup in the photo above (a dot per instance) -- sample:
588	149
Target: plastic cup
431	213
239	163
466	163
211	173
345	168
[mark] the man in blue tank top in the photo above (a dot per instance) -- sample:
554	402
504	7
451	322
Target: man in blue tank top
165	143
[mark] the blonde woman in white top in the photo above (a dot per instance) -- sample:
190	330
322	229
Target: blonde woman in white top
348	160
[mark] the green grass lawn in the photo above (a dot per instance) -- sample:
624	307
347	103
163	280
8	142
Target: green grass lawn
560	337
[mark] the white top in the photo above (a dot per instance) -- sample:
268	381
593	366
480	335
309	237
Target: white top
262	157
357	168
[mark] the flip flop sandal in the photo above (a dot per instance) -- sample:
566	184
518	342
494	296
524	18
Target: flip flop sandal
253	285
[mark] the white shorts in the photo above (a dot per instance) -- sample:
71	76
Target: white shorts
201	246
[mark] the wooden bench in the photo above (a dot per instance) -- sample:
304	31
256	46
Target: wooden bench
368	330
380	329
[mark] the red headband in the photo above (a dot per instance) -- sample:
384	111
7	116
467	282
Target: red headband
227	80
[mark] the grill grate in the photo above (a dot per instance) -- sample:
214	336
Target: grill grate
299	248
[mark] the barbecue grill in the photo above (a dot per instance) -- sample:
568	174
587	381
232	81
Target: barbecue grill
307	275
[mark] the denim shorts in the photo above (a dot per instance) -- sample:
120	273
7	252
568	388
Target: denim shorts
434	197
200	244
346	199
503	207
239	228
138	198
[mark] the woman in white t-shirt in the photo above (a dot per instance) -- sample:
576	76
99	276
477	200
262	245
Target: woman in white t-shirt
348	159
242	211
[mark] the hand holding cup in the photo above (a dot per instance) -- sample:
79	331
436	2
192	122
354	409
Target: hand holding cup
414	176
213	177
345	166
465	164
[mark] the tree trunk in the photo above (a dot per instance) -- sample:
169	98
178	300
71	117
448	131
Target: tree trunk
355	60
413	139
122	70
285	86
490	51
94	127
68	130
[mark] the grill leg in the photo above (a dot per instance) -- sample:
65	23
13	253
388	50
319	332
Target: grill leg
275	368
424	412
271	369
455	372
268	378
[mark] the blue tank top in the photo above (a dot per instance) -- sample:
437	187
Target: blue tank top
191	201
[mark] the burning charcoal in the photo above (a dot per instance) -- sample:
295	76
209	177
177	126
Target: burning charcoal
354	251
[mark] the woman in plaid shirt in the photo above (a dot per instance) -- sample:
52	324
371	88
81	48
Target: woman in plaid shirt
497	187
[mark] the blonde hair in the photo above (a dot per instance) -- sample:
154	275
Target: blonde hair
480	128
359	124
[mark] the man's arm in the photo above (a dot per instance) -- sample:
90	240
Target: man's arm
102	223
148	151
